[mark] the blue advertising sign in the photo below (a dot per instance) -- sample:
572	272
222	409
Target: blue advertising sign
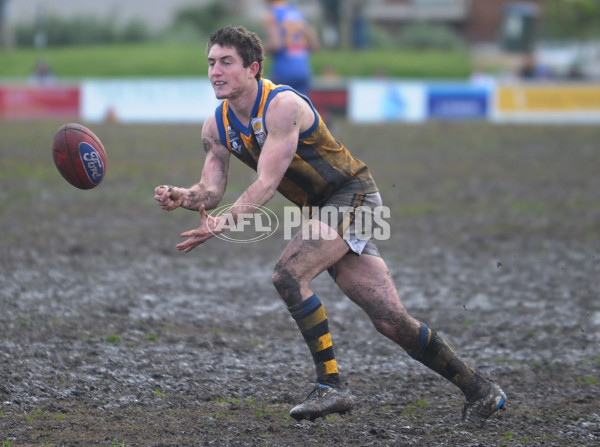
458	102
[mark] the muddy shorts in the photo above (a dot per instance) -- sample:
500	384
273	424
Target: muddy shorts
357	218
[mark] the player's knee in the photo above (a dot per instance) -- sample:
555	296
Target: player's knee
282	277
285	283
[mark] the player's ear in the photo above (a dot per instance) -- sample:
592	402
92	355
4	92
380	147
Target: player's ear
254	68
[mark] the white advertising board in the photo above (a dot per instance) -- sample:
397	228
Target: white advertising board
147	100
384	100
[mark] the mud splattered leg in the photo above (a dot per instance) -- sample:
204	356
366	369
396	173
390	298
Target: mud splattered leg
366	280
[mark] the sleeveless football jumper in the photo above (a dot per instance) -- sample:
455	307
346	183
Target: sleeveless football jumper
321	166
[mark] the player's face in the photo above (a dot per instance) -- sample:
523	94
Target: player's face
226	72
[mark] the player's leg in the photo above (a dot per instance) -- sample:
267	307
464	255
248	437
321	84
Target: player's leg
309	253
366	280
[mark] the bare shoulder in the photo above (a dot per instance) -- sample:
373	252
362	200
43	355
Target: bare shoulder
288	108
210	127
210	135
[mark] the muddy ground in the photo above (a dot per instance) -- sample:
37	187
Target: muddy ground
110	337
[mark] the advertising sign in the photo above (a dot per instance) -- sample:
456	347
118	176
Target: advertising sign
548	102
458	102
147	100
35	102
383	100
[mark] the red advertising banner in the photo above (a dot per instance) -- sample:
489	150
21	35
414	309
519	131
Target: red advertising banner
36	102
330	101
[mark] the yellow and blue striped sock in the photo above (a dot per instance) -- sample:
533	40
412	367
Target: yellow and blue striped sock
312	321
433	351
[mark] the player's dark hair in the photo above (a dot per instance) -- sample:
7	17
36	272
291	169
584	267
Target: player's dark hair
247	44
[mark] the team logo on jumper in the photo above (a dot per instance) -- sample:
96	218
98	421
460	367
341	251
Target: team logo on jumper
92	162
234	140
259	131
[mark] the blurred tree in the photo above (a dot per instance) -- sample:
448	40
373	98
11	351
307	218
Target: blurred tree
195	23
421	35
135	31
202	18
5	34
59	31
571	19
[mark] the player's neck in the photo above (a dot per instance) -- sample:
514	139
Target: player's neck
243	104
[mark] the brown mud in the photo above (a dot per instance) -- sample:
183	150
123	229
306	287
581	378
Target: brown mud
109	336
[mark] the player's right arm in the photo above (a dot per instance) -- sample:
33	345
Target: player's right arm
211	187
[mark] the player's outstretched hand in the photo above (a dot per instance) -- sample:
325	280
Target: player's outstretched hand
209	227
168	197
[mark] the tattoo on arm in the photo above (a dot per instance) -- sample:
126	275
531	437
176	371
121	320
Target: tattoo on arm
206	144
198	194
192	200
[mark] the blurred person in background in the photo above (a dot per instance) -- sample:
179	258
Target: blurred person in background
42	73
533	70
290	40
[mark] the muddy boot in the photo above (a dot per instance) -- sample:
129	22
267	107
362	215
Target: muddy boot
478	411
323	400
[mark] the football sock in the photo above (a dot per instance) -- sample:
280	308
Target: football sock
433	351
312	321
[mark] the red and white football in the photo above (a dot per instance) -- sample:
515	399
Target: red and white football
79	156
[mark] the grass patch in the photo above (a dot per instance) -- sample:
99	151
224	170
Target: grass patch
113	339
415	408
416	209
254	342
395	63
151	60
185	60
529	207
587	380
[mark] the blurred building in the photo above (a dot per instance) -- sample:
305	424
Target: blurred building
155	14
476	20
